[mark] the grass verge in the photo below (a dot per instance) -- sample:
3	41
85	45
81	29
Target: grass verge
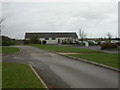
0	74
9	50
64	48
19	76
110	60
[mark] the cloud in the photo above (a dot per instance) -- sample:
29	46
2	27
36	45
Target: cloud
94	18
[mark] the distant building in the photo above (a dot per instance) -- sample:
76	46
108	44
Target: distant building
53	37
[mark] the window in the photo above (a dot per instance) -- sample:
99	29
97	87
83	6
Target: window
46	38
53	38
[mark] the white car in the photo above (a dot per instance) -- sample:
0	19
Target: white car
102	42
114	41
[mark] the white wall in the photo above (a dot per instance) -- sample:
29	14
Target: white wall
50	41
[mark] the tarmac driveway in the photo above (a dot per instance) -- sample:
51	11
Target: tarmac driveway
62	72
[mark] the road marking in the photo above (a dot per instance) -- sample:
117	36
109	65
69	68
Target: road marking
39	77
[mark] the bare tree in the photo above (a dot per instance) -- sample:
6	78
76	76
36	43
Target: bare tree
1	26
109	35
82	34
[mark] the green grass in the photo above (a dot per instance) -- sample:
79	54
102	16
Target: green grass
0	74
0	49
87	54
101	58
108	41
19	76
64	48
9	50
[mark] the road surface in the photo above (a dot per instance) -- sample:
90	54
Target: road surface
62	72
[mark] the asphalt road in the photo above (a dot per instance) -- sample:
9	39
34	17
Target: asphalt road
63	72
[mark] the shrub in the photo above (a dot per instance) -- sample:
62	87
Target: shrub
34	39
26	41
8	43
44	42
108	46
32	42
5	43
12	42
64	42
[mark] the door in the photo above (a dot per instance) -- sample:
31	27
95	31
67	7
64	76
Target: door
58	41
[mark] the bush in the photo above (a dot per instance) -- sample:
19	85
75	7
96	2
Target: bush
44	42
12	43
26	41
108	46
34	39
64	42
5	43
8	43
32	42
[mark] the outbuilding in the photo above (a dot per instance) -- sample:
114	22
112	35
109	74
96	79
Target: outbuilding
53	37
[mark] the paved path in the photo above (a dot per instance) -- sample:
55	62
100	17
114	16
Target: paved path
62	72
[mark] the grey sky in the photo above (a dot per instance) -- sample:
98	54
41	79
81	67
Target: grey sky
96	19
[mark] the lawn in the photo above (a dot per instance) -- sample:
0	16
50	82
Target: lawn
87	54
102	58
64	48
0	74
9	50
19	76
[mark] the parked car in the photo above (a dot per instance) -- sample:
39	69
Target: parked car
79	42
115	41
82	42
92	42
102	42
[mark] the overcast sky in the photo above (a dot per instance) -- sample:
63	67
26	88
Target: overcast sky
96	19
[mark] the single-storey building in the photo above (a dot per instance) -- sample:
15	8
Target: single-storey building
53	37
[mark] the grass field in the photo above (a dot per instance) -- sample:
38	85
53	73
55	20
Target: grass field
87	54
102	58
19	76
65	49
0	74
9	50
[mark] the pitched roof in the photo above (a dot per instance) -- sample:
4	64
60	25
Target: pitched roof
53	34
